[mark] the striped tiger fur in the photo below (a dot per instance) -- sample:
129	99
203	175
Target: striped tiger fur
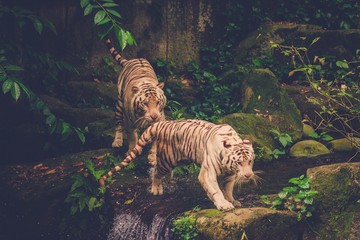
141	100
216	148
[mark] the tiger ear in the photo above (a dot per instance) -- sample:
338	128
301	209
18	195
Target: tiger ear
161	85
247	141
134	89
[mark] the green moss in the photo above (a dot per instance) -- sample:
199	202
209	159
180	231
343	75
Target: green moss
335	203
211	212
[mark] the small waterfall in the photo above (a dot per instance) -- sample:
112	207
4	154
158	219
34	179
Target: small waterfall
149	217
148	220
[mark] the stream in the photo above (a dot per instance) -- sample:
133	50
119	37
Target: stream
139	215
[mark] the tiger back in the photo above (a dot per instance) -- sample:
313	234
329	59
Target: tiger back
216	148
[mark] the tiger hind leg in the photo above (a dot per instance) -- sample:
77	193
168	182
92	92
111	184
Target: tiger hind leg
152	155
118	139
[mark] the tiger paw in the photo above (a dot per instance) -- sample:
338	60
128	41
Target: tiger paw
157	189
236	203
224	206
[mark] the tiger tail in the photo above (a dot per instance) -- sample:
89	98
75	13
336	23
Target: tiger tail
145	139
115	54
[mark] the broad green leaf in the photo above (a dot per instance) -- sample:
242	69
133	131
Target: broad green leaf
77	183
15	91
84	3
7	85
91	203
308	200
38	25
130	38
282	195
113	12
104	21
121	35
99	16
89	8
65	128
80	135
25	89
110	5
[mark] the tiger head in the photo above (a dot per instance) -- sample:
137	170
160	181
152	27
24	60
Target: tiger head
239	159
149	102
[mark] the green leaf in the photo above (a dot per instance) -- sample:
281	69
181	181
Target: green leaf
38	25
130	38
122	37
25	89
313	134
80	135
7	85
50	120
74	209
99	16
110	5
282	195
14	68
315	40
65	128
15	91
89	8
113	12
104	21
91	203
308	200
84	3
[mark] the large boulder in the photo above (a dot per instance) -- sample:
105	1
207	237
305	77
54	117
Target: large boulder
308	148
255	128
345	144
255	223
337	212
261	94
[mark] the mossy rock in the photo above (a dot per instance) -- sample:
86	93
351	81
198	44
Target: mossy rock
336	208
262	94
344	144
252	127
256	223
307	129
308	148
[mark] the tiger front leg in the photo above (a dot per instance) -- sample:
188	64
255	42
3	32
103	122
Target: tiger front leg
208	181
229	189
156	184
118	139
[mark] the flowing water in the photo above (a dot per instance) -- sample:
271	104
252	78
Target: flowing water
149	217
